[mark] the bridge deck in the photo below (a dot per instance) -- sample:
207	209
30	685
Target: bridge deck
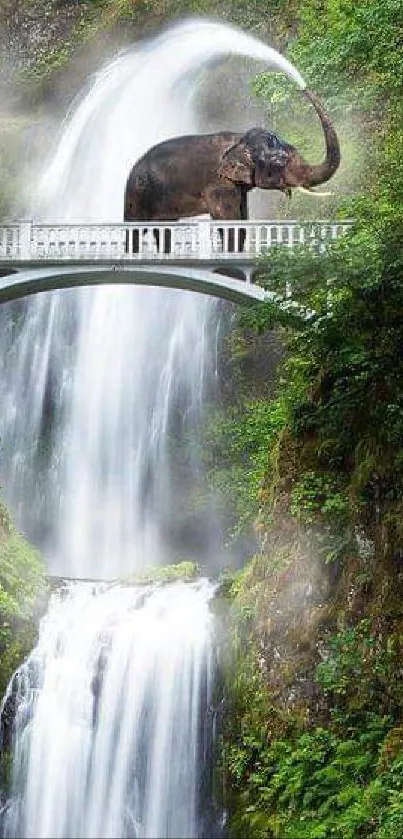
214	257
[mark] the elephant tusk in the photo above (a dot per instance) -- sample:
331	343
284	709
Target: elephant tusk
313	192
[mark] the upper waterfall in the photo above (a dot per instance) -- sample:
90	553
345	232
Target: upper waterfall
113	380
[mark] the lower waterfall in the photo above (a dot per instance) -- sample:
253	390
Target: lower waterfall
113	722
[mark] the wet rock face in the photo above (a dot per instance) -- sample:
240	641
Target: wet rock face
31	29
7	719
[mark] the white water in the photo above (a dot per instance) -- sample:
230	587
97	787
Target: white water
113	719
95	384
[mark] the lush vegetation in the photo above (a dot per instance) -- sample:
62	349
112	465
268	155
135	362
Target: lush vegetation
185	571
22	589
313	743
313	738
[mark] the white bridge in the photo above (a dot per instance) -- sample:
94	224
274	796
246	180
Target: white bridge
213	257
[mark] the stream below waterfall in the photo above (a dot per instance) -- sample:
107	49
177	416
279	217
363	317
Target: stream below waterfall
113	718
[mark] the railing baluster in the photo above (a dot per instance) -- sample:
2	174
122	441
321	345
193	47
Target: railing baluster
25	239
177	237
205	232
257	240
194	240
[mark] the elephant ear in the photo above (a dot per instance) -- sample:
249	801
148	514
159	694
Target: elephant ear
237	164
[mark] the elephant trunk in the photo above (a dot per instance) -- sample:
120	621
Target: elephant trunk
321	173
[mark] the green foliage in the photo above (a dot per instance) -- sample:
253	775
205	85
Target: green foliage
318	494
288	775
236	447
350	389
321	782
22	582
181	571
362	655
355	43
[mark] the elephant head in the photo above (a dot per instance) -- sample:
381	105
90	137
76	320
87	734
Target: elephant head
260	159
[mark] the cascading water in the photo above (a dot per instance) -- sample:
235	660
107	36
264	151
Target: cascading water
112	733
110	708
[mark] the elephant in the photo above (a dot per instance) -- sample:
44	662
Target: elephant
213	173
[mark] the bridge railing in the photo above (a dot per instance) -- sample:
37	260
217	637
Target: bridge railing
10	241
148	242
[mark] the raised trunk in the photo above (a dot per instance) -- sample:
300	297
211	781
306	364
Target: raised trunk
321	173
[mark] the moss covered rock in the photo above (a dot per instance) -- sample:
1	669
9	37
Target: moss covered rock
22	588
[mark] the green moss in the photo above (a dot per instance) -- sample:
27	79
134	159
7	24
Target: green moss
182	571
22	585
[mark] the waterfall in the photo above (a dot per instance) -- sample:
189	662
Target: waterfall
111	730
112	711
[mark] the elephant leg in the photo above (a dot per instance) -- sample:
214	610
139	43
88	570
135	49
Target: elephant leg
244	216
136	241
242	239
156	235
166	240
132	241
229	203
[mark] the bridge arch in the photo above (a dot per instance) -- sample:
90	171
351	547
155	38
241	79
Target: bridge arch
24	282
